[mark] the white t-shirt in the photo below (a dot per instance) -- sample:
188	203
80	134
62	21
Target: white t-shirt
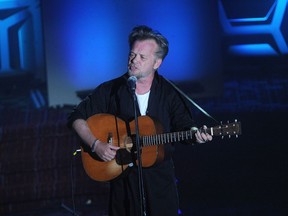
143	102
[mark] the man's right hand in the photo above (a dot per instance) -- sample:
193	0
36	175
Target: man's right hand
106	151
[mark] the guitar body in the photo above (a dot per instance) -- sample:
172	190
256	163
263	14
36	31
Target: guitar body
111	129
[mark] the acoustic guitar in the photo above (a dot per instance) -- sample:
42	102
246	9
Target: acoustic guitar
111	129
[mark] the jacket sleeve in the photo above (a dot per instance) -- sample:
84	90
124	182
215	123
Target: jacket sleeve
94	103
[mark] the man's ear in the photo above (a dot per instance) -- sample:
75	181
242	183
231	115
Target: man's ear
157	63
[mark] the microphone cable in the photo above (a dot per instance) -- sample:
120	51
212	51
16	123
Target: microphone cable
73	210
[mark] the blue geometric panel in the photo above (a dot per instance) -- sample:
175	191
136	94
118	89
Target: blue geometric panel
256	27
22	67
21	47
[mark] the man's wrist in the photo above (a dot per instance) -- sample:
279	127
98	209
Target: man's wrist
94	145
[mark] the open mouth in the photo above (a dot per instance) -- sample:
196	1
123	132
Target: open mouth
132	67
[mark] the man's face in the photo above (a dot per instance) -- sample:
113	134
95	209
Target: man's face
142	60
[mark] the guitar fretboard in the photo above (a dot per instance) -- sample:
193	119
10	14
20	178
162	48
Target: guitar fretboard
167	138
221	130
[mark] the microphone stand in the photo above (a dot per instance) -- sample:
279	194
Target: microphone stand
139	151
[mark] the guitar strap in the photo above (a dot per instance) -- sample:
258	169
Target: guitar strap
191	101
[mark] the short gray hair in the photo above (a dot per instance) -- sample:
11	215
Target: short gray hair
140	33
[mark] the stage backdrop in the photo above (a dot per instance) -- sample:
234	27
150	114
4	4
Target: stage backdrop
86	43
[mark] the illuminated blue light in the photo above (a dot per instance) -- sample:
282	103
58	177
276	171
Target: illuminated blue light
37	98
247	26
256	19
95	44
252	49
86	42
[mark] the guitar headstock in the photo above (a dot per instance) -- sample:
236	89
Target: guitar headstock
229	129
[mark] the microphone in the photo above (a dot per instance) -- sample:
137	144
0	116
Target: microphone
132	83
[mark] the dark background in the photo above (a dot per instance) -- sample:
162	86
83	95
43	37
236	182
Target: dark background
230	58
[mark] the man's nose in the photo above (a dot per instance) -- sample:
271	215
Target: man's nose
135	58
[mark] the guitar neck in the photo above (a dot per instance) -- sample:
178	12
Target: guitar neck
220	130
